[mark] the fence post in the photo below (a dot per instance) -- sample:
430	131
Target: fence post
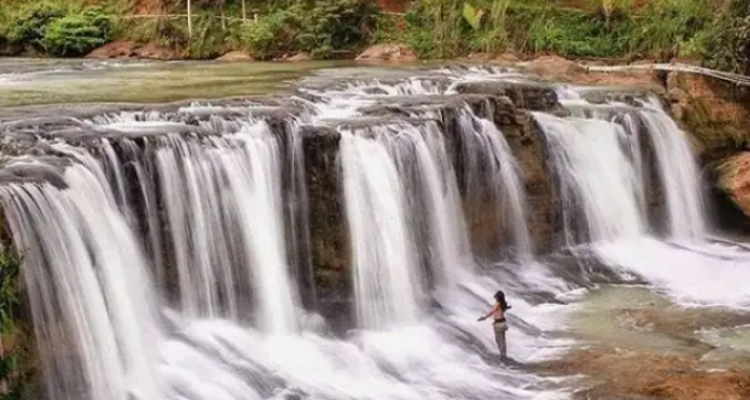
244	12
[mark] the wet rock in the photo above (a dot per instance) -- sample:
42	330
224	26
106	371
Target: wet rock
528	95
388	52
733	178
236	56
329	235
626	96
125	49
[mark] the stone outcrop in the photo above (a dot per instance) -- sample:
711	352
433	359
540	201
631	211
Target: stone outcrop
236	56
554	67
716	115
396	52
125	49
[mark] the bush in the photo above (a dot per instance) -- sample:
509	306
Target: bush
320	28
668	28
728	43
335	25
77	34
270	37
30	25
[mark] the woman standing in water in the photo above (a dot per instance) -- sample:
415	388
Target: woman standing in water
498	323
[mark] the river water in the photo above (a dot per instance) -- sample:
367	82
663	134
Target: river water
168	250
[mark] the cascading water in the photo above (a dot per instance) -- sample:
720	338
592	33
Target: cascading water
679	173
587	156
409	163
489	159
386	279
88	285
180	285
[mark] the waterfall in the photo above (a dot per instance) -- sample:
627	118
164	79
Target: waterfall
487	155
88	285
169	254
597	182
226	223
386	276
679	173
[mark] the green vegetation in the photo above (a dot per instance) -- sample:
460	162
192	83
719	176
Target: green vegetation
11	356
714	31
320	28
55	28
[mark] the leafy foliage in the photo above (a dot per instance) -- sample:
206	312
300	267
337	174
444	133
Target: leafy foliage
728	43
668	28
317	27
77	34
31	23
9	301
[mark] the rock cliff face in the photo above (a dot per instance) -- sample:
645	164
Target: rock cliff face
717	115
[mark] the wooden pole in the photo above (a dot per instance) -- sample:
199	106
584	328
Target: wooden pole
190	20
244	12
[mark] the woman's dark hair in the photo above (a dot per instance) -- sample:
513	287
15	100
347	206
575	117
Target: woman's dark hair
500	298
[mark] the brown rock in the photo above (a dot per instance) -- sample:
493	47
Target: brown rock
554	67
711	112
648	375
388	52
236	56
734	180
480	56
507	57
301	56
125	49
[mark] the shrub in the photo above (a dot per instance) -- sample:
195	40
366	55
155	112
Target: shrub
335	25
667	28
318	27
270	37
728	42
77	34
31	24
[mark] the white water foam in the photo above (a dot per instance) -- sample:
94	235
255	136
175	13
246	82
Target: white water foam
699	274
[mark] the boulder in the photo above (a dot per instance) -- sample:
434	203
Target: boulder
236	56
507	58
301	56
712	111
388	52
126	49
554	67
733	178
